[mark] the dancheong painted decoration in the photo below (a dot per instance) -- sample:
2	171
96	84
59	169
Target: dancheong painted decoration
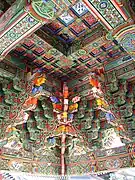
67	87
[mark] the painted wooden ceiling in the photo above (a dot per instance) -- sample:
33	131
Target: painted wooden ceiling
67	40
75	42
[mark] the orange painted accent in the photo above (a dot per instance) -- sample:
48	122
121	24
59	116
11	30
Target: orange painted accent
30	101
94	82
65	129
73	107
57	107
120	128
65	94
39	81
11	129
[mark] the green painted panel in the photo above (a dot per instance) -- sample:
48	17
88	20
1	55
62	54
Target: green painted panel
17	62
117	63
108	11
